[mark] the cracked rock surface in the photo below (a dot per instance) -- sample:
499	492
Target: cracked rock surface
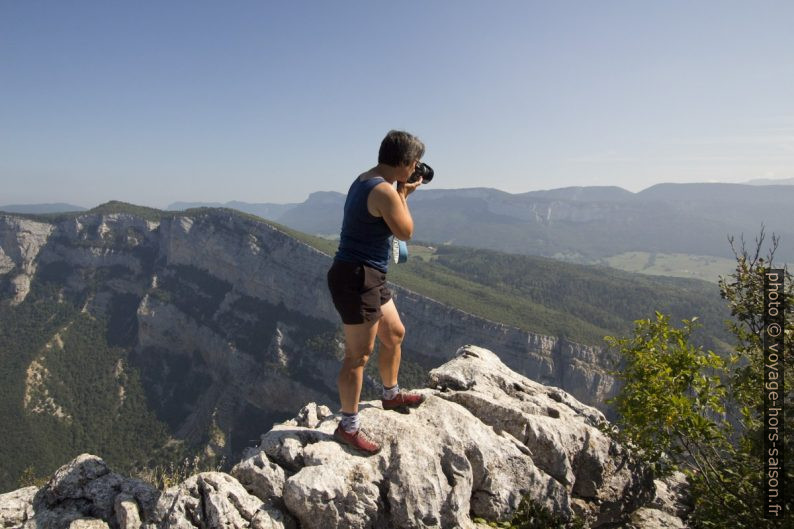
484	438
215	499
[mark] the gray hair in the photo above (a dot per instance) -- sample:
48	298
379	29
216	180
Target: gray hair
400	148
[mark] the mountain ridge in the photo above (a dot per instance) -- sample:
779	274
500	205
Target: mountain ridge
582	224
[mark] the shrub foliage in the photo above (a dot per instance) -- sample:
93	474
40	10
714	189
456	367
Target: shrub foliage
683	408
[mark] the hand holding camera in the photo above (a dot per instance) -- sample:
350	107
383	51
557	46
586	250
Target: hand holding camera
421	175
423	172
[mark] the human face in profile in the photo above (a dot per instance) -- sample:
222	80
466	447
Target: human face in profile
408	170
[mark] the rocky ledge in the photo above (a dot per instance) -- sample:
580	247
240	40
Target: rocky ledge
484	438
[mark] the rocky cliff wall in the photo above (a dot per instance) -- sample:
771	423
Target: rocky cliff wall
266	263
263	262
220	313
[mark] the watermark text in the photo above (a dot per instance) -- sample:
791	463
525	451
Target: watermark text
774	322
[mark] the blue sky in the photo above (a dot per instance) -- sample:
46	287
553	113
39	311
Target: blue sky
155	102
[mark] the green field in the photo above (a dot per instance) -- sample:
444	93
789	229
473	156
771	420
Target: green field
704	267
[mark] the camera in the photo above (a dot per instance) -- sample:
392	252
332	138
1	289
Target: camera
423	172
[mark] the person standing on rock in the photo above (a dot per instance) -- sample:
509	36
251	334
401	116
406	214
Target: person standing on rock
374	212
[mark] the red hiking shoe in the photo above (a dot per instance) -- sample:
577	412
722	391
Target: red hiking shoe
358	440
403	401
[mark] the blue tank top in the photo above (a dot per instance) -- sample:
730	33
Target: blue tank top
364	238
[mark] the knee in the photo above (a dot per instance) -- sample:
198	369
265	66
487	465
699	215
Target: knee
395	335
355	360
358	361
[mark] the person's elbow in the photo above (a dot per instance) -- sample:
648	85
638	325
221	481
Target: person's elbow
404	230
405	233
400	223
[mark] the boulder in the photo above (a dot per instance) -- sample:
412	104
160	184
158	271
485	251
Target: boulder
16	507
85	492
559	433
261	477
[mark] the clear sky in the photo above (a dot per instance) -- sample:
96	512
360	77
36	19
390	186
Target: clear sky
154	102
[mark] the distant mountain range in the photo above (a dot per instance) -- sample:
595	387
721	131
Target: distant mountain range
580	224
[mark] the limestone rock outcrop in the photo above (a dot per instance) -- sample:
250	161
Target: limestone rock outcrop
215	499
81	494
16	507
21	240
484	438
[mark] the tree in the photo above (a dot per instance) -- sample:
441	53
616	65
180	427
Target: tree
685	408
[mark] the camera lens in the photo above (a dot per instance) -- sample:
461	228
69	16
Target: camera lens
427	172
423	171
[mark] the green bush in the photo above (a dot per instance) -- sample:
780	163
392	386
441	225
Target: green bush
684	408
29	478
672	391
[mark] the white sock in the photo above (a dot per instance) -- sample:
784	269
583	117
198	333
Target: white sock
350	422
390	393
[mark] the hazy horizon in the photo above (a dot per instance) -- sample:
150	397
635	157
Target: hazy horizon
154	103
781	181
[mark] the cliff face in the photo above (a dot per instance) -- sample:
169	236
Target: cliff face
20	243
229	320
484	439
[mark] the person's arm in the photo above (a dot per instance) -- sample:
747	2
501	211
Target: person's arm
391	204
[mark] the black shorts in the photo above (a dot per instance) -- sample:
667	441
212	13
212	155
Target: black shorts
358	291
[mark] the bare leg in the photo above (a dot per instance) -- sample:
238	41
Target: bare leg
359	341
390	333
